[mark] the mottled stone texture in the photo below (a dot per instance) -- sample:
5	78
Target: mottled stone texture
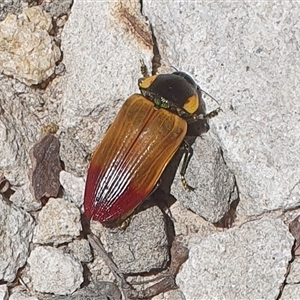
16	229
53	271
249	262
27	51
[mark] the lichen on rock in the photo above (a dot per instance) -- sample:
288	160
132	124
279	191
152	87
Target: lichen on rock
27	51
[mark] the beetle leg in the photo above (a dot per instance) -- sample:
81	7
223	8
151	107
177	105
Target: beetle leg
210	115
213	113
188	153
144	69
126	223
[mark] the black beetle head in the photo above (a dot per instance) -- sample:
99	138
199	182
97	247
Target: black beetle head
172	87
180	89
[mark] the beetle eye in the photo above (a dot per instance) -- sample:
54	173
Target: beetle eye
187	78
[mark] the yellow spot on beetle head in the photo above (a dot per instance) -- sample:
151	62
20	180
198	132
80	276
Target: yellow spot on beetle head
191	104
145	83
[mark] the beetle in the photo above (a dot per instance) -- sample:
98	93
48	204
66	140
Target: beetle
146	133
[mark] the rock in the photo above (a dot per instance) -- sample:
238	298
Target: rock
74	152
98	291
295	231
10	6
16	228
294	275
73	187
81	250
21	295
58	222
213	181
4	183
57	8
146	233
53	271
22	110
46	167
4	292
99	269
247	262
89	108
170	295
27	51
187	224
129	39
23	198
290	292
94	291
9	150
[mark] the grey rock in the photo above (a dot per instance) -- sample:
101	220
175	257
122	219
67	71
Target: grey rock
249	262
94	291
57	8
73	152
16	228
170	295
22	110
3	292
58	222
187	224
24	199
214	183
99	269
73	187
10	6
21	295
142	246
294	274
53	271
81	249
290	292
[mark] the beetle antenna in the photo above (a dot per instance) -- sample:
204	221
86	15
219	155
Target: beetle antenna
210	96
174	68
